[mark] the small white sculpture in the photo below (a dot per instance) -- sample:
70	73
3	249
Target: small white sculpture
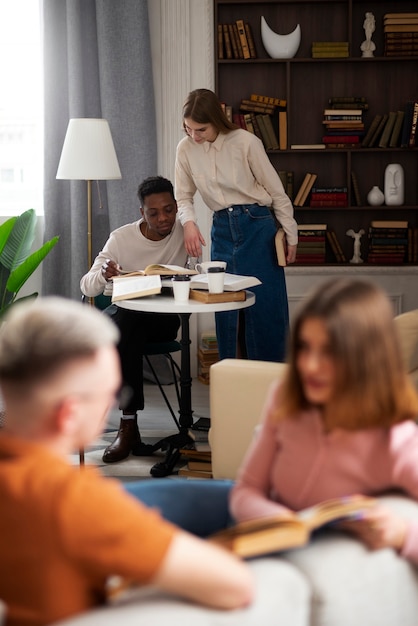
394	184
368	46
356	236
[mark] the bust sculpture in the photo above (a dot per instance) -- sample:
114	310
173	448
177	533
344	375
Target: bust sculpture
369	25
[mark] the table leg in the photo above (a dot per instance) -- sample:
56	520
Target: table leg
182	439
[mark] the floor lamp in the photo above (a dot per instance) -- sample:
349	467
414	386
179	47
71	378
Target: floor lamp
88	154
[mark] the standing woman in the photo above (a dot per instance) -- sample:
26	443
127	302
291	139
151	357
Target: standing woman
230	169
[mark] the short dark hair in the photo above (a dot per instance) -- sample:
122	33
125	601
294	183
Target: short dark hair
154	184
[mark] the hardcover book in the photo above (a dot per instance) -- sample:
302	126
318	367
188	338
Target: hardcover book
282	532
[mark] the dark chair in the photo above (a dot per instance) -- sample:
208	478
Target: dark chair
164	348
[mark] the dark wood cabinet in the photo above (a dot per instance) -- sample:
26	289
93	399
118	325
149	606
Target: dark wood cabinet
306	83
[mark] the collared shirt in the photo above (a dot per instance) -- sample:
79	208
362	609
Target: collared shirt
234	169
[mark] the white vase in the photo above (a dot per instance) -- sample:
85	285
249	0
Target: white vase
394	184
375	197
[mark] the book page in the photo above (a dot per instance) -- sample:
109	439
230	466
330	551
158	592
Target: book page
233	282
125	287
335	509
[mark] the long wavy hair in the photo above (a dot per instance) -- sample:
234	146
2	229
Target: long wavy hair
372	386
203	106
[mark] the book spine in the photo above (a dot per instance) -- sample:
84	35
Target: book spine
412	135
250	39
277	102
227	41
243	39
220	42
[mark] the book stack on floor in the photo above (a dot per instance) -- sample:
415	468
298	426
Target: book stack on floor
329	49
401	34
388	242
199	463
311	244
343	122
235	41
329	197
207	355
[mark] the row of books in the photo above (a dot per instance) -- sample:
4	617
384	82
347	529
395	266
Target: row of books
393	129
329	197
329	49
271	130
236	41
311	244
400	34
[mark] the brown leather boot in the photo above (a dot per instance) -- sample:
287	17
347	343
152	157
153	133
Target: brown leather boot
128	435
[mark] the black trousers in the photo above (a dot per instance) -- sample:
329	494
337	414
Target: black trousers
136	329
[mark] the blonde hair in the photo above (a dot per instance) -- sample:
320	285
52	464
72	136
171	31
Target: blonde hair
204	107
372	385
39	336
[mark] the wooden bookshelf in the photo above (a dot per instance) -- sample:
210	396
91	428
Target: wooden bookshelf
387	83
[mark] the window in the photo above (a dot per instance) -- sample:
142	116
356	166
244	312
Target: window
21	108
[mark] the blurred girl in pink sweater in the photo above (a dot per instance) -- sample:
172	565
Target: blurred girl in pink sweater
342	420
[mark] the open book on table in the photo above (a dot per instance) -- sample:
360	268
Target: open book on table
157	269
271	534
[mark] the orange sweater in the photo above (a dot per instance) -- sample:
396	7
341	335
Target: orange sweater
64	531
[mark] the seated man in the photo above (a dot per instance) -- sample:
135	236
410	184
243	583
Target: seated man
156	238
65	531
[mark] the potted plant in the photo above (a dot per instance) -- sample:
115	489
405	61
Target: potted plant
17	263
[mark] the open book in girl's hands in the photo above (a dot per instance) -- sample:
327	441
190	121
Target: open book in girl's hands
271	534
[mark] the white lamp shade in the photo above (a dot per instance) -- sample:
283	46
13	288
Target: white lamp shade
88	152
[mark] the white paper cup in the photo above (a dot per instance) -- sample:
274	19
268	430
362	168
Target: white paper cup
181	288
216	279
202	268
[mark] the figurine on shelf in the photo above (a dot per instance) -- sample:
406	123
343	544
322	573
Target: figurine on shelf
356	236
368	46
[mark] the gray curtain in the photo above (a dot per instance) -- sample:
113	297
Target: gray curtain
97	63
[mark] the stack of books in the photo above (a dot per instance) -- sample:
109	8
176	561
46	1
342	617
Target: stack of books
266	117
329	197
401	34
329	49
388	242
311	244
343	127
199	463
207	355
235	41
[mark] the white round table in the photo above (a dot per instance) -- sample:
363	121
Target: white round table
165	304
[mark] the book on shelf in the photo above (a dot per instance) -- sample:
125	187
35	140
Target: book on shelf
307	146
290	530
335	246
243	38
389	223
406	128
280	244
250	40
233	282
394	140
371	130
227	42
328	203
282	129
237	53
276	102
387	131
263	130
205	466
220	41
356	190
337	100
248	105
188	473
301	189
400	28
249	123
345	113
135	286
328	195
414	123
312	229
304	189
273	142
349	139
377	133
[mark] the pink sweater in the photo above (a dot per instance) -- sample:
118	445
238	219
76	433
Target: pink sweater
293	463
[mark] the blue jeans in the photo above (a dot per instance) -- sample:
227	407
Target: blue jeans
243	236
198	506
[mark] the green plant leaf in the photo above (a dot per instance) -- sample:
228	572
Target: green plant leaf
18	245
20	275
5	230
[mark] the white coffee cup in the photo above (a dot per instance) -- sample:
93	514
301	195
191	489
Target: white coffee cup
202	268
216	279
181	288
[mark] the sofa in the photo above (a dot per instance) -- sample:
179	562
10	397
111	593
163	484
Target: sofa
334	581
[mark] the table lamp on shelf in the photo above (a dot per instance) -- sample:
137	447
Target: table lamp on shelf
88	154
